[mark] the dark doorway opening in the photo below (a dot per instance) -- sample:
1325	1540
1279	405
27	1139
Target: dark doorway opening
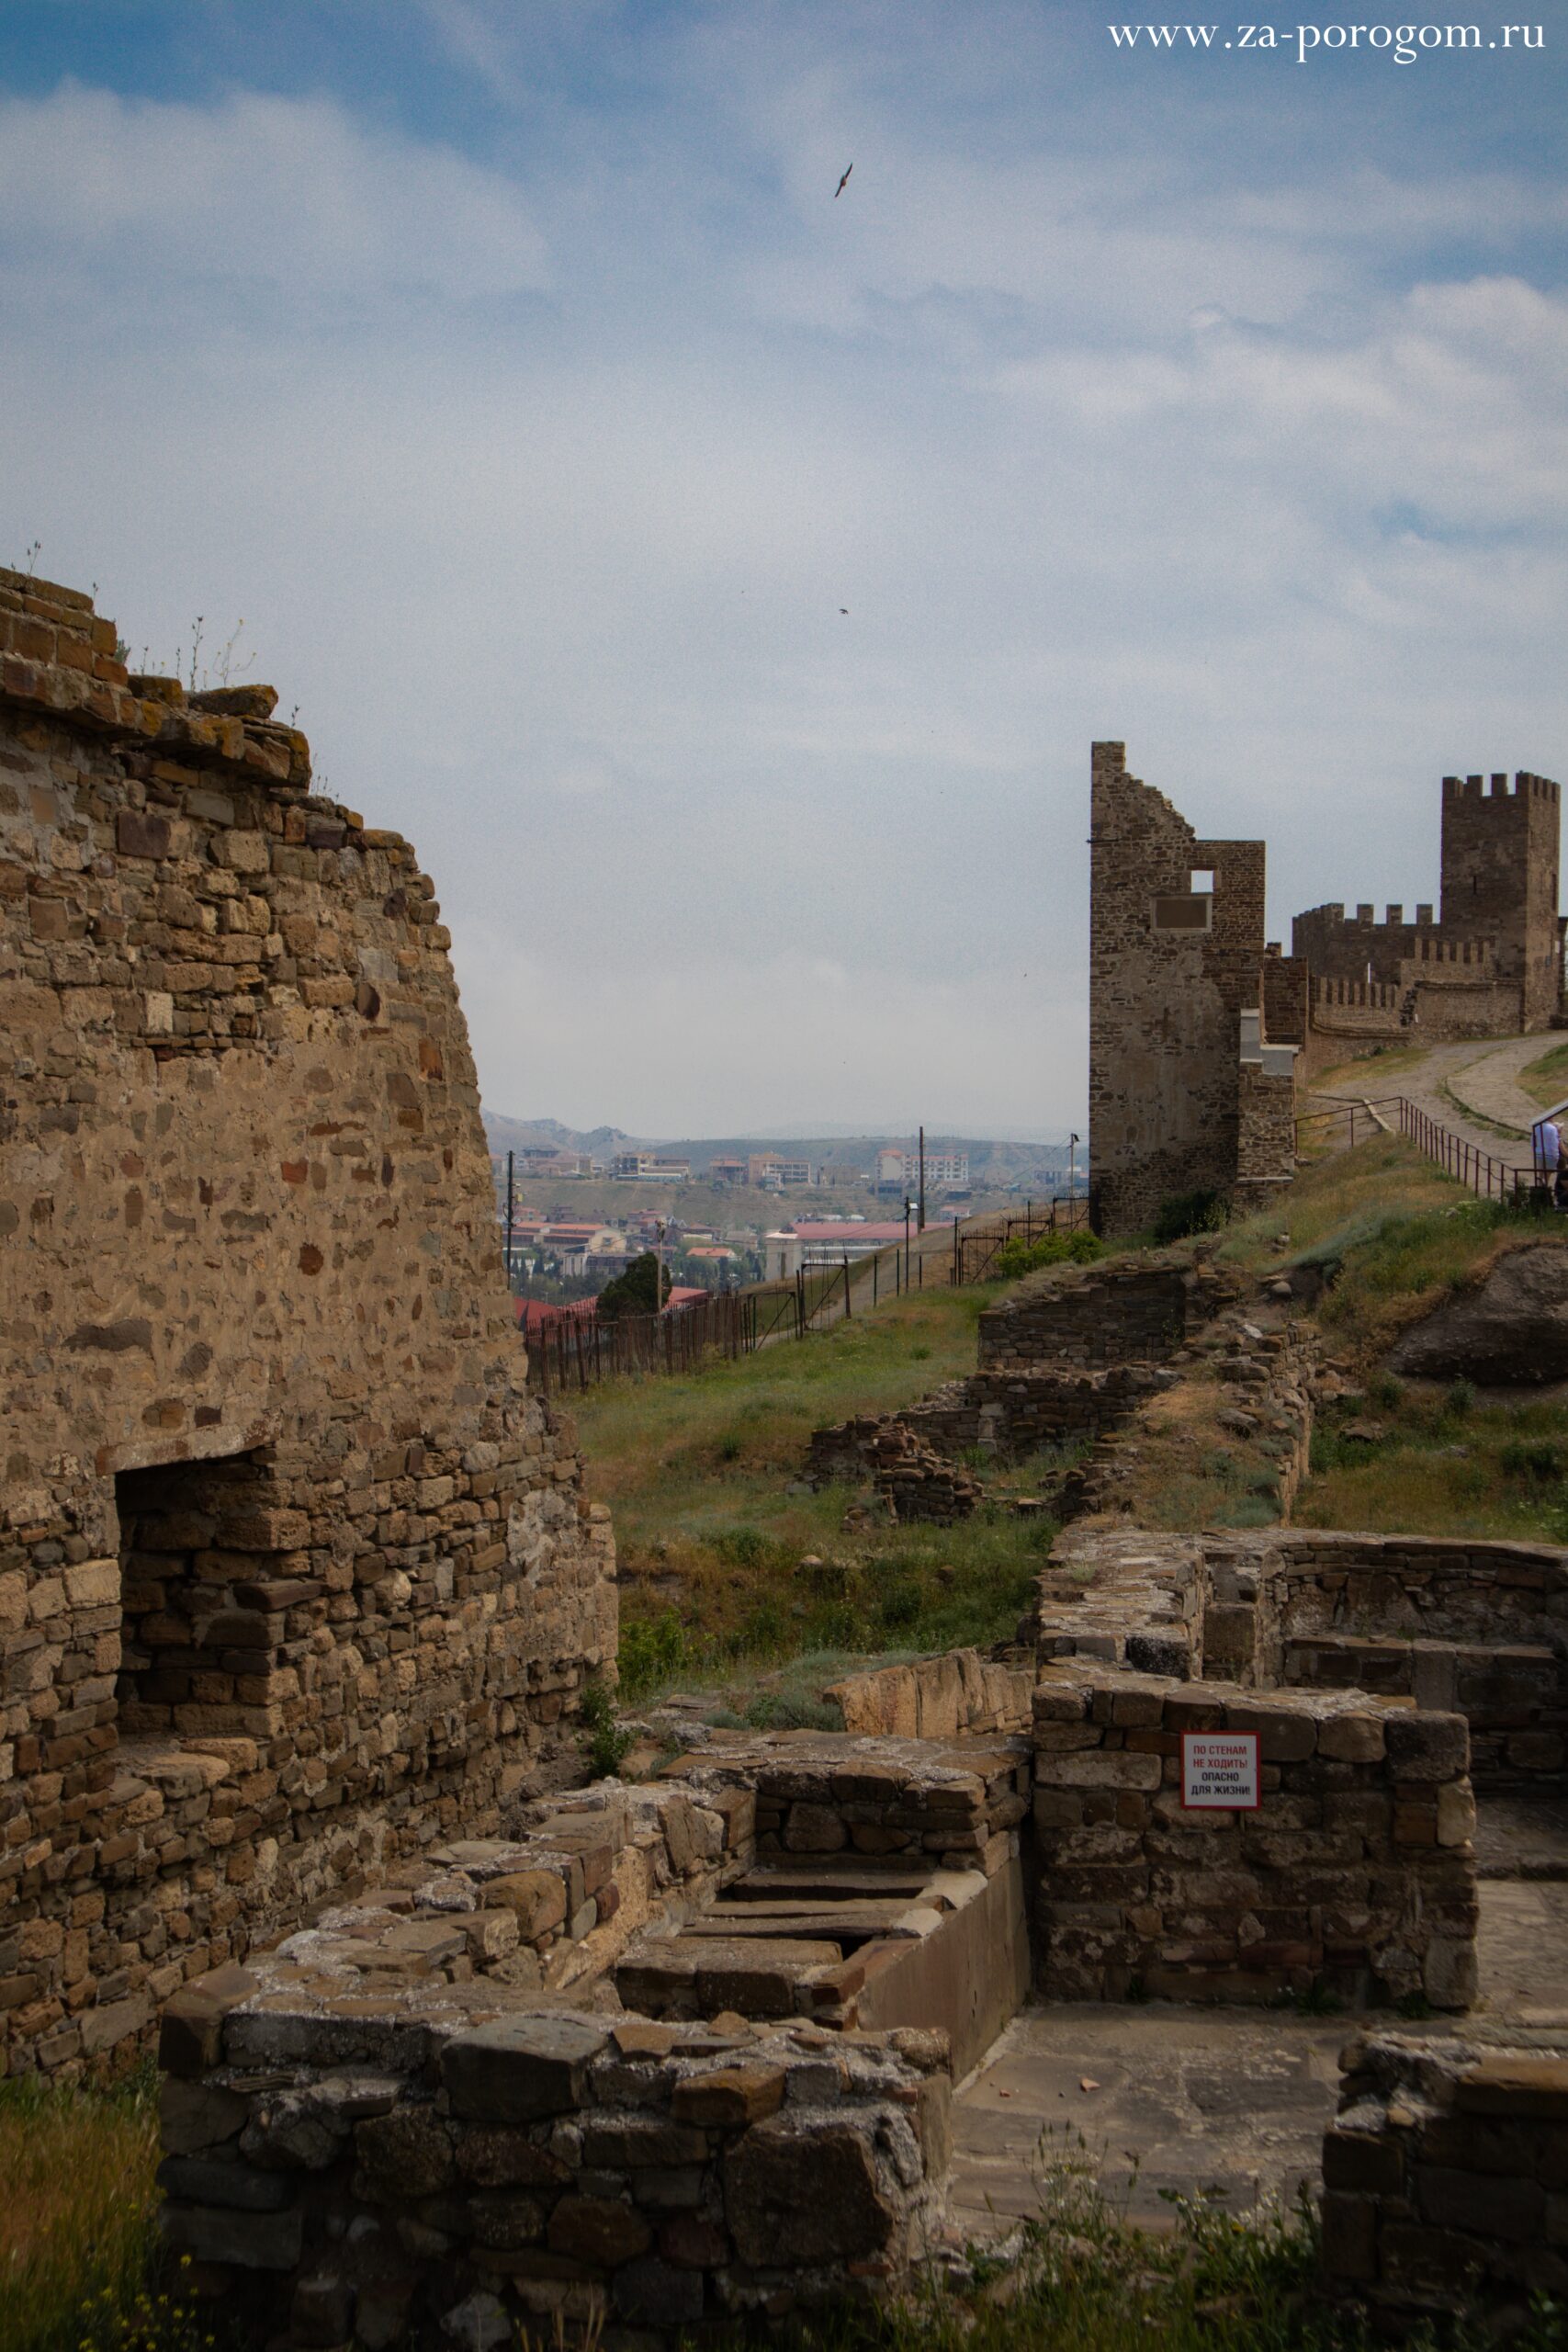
199	1581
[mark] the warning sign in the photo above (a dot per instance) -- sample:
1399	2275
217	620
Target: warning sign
1218	1769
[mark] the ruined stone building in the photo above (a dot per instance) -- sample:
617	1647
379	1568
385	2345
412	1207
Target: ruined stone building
1192	1087
1490	966
293	1573
1201	1031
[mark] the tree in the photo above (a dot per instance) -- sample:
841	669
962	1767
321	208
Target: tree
641	1290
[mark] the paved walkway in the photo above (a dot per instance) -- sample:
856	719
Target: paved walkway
1451	1078
1165	2096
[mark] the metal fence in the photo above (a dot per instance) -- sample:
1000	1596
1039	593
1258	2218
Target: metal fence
1486	1175
576	1350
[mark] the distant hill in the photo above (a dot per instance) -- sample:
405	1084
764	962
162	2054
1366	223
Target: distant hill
995	1163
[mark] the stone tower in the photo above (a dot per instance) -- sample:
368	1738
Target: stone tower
1184	1095
1499	878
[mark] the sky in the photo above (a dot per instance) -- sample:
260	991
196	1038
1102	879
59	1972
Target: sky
720	579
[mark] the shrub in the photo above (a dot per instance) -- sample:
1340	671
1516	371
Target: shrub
1187	1213
607	1742
1014	1258
653	1649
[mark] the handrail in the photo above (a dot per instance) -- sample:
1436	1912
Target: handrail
1481	1172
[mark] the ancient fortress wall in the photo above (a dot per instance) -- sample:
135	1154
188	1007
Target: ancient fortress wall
1185	1094
293	1575
1489	964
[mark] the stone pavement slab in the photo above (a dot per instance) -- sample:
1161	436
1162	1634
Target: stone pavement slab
1231	2101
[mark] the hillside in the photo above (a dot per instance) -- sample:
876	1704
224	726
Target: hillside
730	1566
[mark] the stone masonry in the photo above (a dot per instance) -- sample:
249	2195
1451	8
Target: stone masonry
1187	1094
1491	963
295	1577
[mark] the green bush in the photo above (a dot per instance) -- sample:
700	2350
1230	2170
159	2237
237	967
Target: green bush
652	1650
1187	1213
1014	1258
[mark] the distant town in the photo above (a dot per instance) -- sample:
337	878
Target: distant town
720	1213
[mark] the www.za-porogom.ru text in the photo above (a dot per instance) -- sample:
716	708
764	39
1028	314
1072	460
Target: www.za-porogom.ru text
1402	43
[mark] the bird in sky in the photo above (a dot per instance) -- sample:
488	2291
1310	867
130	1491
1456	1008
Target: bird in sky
844	609
842	184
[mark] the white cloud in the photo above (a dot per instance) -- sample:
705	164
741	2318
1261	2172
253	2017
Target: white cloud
286	193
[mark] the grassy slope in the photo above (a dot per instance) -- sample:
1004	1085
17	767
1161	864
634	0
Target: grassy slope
1545	1080
714	1525
1446	1463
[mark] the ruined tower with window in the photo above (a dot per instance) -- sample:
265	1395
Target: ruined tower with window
1188	1092
295	1576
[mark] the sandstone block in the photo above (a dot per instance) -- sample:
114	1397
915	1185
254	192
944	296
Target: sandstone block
536	1898
730	2094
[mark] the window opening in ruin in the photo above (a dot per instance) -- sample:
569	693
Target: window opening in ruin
1201	880
202	1591
1191	912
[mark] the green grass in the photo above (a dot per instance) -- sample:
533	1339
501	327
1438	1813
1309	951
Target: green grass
1088	2280
1445	1466
1545	1080
715	1529
79	2270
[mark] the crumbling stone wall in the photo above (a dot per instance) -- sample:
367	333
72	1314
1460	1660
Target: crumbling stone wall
294	1576
1444	2174
1173	972
1356	1871
459	2161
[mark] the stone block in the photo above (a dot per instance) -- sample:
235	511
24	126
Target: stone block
520	2068
730	2094
598	2230
659	2294
1508	2084
249	2241
1426	1747
537	1899
405	2154
203	2181
797	2194
1117	1768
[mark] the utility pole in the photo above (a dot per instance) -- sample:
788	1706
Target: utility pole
922	1223
510	1195
907	1206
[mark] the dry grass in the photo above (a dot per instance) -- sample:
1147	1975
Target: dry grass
1444	1464
75	2220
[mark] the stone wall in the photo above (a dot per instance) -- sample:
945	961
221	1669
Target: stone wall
912	1479
1356	1873
1446	2174
1175	969
937	1697
293	1572
461	2162
1070	1317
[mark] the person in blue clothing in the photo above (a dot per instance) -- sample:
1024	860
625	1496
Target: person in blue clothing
1546	1148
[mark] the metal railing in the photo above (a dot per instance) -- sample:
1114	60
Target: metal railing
1490	1178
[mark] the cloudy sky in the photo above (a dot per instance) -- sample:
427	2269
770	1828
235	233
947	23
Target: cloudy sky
722	582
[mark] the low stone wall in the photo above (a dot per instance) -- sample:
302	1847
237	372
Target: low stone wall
1011	1413
1094	1315
462	2162
1445	2173
1511	1695
1356	1871
824	1792
937	1697
912	1479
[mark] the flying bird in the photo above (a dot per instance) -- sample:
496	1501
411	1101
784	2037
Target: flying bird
842	184
844	609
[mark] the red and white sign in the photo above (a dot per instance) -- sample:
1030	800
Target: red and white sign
1220	1771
